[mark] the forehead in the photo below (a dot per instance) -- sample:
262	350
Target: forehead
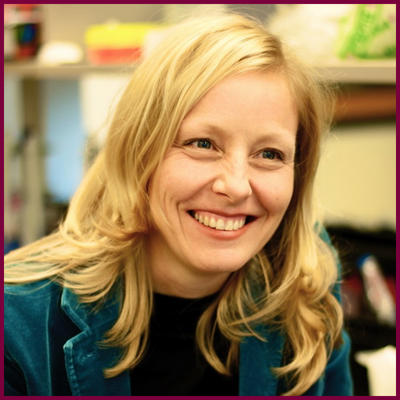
252	103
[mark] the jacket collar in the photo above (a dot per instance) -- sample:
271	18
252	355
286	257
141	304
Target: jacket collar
84	315
85	359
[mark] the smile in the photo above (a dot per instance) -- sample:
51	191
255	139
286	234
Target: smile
219	222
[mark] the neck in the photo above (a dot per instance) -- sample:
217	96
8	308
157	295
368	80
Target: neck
169	283
174	278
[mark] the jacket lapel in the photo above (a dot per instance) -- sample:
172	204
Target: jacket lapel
85	360
257	358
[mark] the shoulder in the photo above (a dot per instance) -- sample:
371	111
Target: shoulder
49	306
35	323
27	307
35	332
34	297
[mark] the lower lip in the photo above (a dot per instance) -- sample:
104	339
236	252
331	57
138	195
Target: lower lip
220	234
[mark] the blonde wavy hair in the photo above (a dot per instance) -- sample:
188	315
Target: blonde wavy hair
101	244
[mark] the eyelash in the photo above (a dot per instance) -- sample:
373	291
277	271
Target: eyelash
278	154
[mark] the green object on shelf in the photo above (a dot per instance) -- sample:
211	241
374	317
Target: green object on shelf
368	32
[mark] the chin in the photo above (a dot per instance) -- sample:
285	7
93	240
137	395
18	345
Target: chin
222	266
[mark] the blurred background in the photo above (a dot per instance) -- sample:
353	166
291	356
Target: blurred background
65	66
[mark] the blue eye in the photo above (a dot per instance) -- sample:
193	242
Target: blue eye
203	144
269	154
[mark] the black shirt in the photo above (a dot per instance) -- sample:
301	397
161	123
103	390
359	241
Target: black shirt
173	366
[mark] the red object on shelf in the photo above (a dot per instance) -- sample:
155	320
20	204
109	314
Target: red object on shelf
114	56
26	7
22	14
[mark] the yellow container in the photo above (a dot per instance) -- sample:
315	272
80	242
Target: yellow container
117	43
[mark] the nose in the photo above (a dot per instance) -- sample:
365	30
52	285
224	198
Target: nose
233	182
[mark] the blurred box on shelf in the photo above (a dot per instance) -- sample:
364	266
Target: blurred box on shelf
368	31
22	31
325	33
118	43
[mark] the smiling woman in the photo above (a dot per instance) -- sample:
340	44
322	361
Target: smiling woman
224	179
190	261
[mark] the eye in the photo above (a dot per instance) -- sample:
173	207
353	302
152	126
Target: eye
199	143
203	144
269	154
270	158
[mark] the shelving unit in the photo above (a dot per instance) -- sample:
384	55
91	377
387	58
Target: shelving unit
347	71
32	70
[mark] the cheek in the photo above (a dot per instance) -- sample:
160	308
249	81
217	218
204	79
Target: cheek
178	180
275	192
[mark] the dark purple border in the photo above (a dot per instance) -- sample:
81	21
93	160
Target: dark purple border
2	309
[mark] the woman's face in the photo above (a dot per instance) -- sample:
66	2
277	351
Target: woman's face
224	186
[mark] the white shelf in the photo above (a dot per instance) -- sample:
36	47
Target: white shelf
357	71
70	71
361	71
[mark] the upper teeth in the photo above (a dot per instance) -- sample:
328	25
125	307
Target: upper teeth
223	224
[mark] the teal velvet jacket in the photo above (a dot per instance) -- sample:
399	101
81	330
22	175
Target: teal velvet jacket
51	350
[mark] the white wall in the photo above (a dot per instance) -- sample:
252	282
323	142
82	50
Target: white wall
357	177
65	138
70	21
